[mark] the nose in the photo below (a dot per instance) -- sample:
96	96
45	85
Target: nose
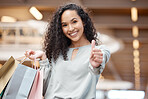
71	28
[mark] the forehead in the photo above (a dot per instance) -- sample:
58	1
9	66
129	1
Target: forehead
68	15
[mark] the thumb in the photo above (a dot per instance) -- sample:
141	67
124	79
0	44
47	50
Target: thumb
92	44
92	47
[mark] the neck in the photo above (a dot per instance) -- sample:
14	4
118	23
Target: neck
79	43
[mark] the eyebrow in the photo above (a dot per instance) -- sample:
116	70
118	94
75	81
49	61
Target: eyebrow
70	20
73	19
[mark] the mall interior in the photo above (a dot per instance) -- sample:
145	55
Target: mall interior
122	25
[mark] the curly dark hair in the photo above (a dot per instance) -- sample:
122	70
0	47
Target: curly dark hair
56	43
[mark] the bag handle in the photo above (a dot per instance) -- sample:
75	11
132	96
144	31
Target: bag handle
21	59
34	61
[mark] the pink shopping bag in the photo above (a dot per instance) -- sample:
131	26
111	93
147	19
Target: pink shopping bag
37	87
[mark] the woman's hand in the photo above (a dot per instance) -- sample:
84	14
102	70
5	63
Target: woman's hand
35	55
96	57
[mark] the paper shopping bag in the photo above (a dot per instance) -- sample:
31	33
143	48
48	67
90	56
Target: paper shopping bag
20	84
37	88
1	95
6	72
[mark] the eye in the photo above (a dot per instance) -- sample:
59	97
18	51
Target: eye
74	21
64	25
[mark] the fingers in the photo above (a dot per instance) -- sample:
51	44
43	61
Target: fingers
35	55
98	58
97	52
30	54
97	55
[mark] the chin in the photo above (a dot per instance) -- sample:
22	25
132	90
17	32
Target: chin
75	39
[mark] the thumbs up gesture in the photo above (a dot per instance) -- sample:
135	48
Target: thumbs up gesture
96	57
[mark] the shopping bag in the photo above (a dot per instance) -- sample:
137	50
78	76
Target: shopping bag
20	83
7	71
37	88
1	95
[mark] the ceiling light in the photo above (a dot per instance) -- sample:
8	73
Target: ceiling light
134	14
135	44
137	75
136	53
137	71
135	31
136	64
137	67
136	60
36	13
8	19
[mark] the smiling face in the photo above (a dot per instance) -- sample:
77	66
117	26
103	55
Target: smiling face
72	26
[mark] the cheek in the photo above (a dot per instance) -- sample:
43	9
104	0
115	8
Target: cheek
81	28
64	30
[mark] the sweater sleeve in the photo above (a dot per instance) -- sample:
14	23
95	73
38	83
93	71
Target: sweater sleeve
106	56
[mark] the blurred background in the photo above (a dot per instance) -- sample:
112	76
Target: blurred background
122	25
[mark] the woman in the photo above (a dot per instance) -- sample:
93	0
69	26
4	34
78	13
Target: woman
71	54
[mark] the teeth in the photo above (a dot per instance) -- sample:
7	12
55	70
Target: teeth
73	34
